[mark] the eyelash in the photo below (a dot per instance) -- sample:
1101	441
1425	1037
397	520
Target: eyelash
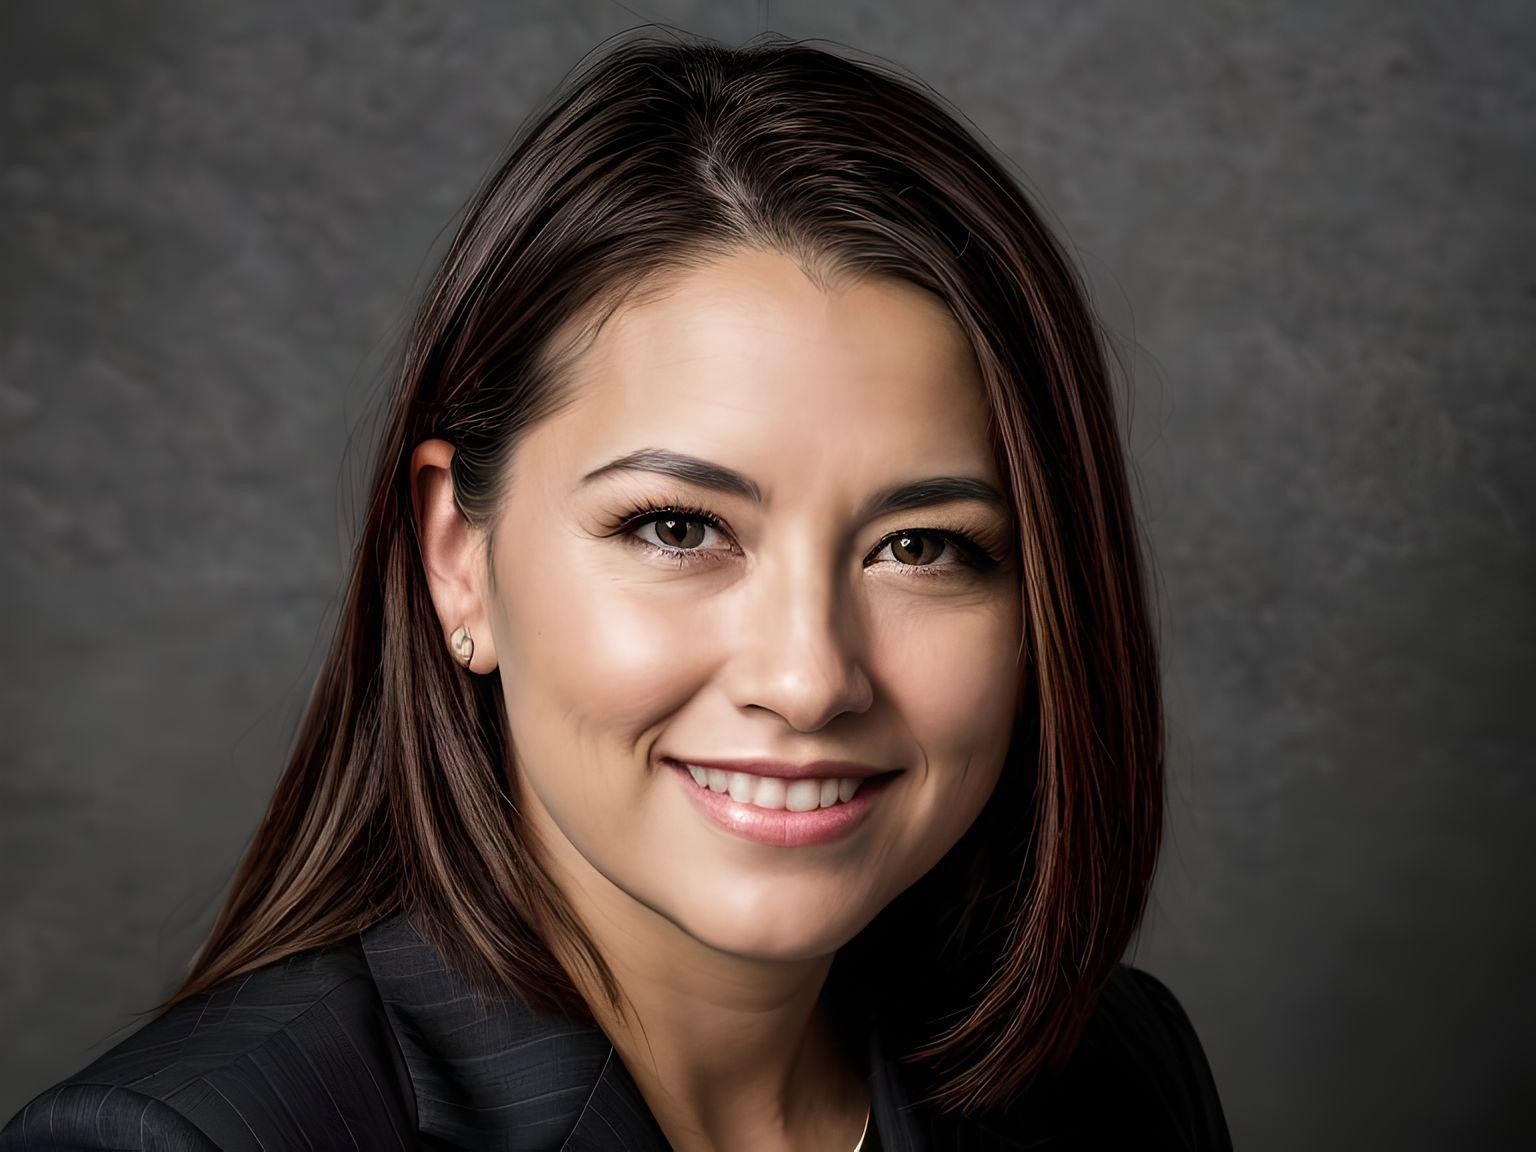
974	554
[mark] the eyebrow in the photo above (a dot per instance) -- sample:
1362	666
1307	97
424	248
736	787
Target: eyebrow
718	478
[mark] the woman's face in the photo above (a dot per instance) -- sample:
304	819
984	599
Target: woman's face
801	626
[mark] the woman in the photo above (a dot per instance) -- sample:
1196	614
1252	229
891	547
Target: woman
743	727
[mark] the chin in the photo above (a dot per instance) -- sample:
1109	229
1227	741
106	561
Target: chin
782	926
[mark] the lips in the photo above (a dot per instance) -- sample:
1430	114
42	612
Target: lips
782	827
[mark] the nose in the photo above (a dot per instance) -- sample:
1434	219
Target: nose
797	647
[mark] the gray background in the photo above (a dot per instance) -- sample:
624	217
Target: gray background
1310	227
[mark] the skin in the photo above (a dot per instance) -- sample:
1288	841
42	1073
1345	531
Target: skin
796	632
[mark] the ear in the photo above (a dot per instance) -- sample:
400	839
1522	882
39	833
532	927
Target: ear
453	554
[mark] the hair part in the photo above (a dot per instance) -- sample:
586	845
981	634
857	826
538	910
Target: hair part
653	157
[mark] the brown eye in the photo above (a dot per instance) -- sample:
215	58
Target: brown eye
679	532
674	533
917	549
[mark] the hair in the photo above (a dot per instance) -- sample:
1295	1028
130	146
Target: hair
658	155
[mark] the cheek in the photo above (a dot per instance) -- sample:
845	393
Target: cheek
953	676
606	657
952	668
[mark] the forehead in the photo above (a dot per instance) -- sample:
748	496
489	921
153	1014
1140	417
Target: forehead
750	362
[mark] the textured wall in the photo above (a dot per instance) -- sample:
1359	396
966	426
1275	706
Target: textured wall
1311	226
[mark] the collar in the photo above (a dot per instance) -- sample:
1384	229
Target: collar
514	1078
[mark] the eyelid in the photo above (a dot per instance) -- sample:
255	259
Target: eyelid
976	555
652	512
630	522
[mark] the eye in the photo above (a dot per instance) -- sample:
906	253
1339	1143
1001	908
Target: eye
673	532
921	548
676	531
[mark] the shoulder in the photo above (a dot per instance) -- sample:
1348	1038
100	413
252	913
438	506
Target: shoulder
1138	1078
296	1054
1142	1030
1141	1047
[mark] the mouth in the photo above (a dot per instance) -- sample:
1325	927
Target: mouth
781	812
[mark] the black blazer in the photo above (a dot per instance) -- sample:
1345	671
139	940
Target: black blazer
370	1044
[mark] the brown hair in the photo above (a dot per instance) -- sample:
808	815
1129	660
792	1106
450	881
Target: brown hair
656	155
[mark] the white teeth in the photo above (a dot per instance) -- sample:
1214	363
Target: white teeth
803	795
740	786
775	792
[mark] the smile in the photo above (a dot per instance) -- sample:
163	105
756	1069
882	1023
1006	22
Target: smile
828	808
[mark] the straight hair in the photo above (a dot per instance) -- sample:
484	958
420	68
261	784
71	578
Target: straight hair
656	155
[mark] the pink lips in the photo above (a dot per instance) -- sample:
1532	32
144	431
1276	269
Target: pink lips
781	827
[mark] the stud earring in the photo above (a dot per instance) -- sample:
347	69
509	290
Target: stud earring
463	645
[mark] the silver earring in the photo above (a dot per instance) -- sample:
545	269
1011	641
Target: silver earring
463	645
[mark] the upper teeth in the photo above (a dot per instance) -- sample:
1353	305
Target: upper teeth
774	791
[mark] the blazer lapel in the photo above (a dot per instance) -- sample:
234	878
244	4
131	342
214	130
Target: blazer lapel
897	1129
510	1079
616	1115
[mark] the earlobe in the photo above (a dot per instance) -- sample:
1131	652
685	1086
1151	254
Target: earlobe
451	558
